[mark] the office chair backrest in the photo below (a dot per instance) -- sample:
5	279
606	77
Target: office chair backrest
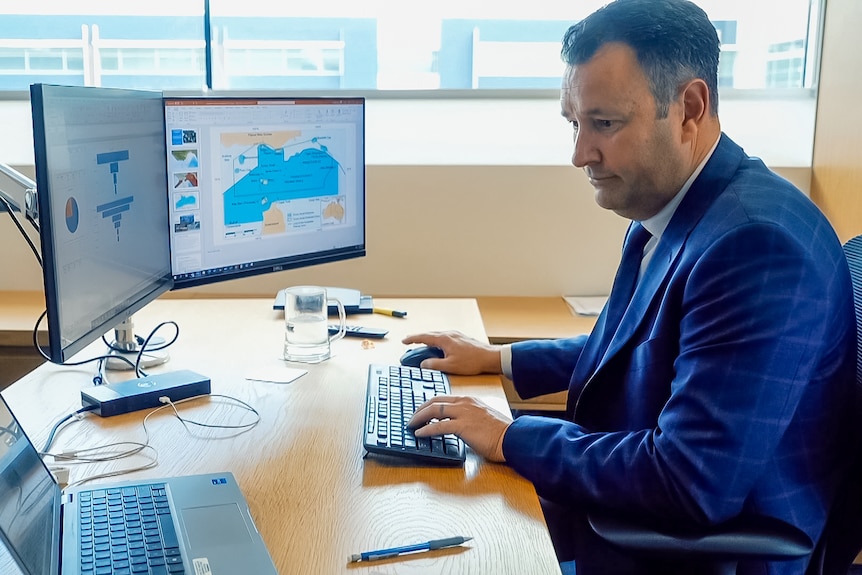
842	538
853	251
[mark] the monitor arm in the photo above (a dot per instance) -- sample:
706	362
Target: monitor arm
24	198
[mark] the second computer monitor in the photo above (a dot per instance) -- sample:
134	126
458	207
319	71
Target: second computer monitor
100	177
263	184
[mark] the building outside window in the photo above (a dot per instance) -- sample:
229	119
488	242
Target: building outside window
371	45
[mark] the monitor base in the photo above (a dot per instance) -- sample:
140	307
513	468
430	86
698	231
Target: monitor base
148	359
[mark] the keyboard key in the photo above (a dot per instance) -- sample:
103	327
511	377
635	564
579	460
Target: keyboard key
169	534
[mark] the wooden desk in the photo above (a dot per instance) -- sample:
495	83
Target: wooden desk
512	319
313	496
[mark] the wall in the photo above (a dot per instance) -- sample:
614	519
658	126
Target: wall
448	231
474	197
836	183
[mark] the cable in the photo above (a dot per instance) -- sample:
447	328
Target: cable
146	342
105	453
101	453
143	342
100	377
57	425
154	462
144	346
242	428
163	346
67	363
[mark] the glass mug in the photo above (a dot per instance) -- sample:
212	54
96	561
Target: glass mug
306	324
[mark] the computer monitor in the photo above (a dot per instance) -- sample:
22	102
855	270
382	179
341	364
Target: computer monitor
100	181
259	185
139	194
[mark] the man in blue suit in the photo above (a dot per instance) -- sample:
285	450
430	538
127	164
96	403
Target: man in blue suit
719	377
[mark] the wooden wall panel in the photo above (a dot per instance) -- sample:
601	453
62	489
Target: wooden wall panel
836	181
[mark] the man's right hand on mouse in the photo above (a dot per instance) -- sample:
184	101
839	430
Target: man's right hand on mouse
464	355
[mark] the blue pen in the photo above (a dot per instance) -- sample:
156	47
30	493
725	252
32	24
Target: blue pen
396	551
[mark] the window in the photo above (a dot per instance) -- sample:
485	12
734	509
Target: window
431	71
371	45
100	43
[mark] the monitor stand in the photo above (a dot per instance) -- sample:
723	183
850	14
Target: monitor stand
126	345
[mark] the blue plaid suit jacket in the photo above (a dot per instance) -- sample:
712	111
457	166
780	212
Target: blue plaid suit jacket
726	388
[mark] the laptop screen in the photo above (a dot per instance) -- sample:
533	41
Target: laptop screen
29	497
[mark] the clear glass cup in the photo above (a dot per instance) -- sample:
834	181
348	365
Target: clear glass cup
306	324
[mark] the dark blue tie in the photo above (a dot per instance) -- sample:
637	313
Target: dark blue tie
608	322
625	280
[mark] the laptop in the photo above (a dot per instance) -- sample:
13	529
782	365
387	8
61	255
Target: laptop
204	520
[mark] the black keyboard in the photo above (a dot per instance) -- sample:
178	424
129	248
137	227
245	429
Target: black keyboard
394	392
128	530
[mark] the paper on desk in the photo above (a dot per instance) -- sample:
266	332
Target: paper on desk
276	374
586	305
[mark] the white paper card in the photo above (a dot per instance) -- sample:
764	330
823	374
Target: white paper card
276	374
586	305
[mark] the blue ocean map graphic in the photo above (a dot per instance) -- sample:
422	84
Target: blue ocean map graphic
311	173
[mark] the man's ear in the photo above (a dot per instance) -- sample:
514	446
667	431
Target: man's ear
695	104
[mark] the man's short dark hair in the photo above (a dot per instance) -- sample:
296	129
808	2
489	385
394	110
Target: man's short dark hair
674	41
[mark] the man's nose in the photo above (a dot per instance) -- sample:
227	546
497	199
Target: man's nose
585	152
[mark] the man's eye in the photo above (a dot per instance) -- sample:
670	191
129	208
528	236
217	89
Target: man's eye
605	124
574	125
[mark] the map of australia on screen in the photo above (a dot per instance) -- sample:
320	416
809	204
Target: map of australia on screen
284	181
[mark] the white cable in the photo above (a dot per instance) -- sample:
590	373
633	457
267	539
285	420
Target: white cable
110	452
240	429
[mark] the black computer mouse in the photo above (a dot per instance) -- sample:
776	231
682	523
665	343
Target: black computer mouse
414	357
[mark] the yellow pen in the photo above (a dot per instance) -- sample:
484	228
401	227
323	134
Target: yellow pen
392	312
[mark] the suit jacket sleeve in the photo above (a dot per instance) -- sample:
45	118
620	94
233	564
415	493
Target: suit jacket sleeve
545	366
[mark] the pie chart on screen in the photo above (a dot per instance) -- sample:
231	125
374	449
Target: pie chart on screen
71	215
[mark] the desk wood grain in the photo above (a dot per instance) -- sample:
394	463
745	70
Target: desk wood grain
314	497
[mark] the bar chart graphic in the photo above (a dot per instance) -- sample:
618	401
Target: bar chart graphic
114	209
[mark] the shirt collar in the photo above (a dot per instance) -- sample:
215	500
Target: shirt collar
657	224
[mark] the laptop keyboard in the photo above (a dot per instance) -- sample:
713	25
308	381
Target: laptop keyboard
394	392
128	530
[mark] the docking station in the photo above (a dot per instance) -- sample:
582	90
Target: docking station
144	392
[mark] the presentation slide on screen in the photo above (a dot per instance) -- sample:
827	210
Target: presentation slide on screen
277	177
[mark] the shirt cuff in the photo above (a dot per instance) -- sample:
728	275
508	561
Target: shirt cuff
506	360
